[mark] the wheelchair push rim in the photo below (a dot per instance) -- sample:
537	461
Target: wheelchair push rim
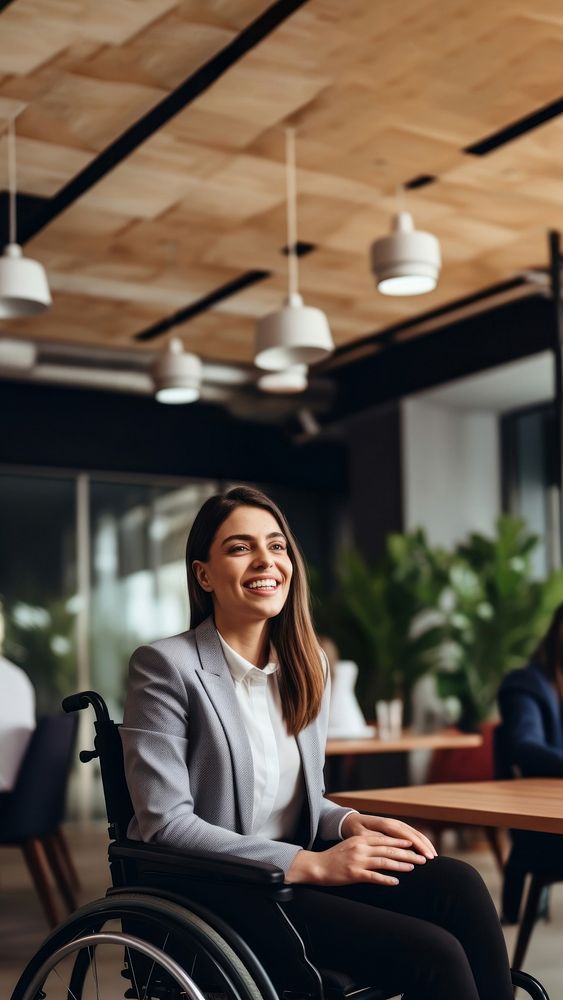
237	978
126	941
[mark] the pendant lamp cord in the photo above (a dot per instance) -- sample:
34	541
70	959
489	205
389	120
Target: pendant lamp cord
400	197
291	192
12	179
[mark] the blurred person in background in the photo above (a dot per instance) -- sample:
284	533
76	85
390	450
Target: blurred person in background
17	716
531	746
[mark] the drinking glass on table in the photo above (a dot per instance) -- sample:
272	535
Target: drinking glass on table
389	715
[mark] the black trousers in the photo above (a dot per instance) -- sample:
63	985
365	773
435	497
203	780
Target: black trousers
435	936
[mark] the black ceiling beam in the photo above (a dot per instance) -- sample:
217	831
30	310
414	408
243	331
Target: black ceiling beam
506	333
345	354
166	109
301	248
515	129
27	207
421	180
202	305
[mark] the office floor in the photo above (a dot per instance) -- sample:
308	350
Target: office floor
22	926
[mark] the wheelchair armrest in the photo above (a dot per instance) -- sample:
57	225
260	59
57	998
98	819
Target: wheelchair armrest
197	864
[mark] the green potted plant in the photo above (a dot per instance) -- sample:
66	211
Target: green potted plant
371	612
493	614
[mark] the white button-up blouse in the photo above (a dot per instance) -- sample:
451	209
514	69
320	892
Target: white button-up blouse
279	789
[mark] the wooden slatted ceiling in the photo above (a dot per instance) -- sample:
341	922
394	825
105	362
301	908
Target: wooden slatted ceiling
379	91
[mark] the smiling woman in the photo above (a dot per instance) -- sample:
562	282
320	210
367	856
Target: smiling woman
242	564
244	567
224	735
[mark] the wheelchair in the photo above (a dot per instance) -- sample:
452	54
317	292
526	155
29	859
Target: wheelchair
165	929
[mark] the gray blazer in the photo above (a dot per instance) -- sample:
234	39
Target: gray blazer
188	760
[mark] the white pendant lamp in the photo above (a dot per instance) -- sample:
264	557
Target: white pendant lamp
24	290
287	382
177	375
408	261
296	334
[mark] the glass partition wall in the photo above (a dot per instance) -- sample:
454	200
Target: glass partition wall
90	567
136	539
38	581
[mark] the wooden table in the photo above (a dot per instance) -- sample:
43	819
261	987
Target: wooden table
445	739
524	803
343	756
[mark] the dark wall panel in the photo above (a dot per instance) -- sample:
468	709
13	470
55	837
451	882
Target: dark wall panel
507	333
374	441
77	429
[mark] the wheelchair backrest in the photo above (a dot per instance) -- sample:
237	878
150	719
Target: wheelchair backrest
108	748
119	807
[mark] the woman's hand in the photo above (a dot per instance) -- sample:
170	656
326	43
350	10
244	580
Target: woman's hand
360	825
363	858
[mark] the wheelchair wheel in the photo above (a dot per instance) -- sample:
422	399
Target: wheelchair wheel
98	969
178	980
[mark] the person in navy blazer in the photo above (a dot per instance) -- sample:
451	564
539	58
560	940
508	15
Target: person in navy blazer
530	744
224	735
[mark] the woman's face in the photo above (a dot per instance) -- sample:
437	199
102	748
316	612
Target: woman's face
249	570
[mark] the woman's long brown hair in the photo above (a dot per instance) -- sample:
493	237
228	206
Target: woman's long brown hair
549	652
301	679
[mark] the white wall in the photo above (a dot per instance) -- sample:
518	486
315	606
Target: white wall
451	469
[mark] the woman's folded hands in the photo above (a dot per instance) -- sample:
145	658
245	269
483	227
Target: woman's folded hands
374	849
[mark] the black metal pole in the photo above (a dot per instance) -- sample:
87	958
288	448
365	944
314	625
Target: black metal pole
555	273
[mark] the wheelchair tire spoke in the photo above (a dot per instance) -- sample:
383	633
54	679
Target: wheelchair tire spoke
192	970
94	967
132	968
67	989
149	977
